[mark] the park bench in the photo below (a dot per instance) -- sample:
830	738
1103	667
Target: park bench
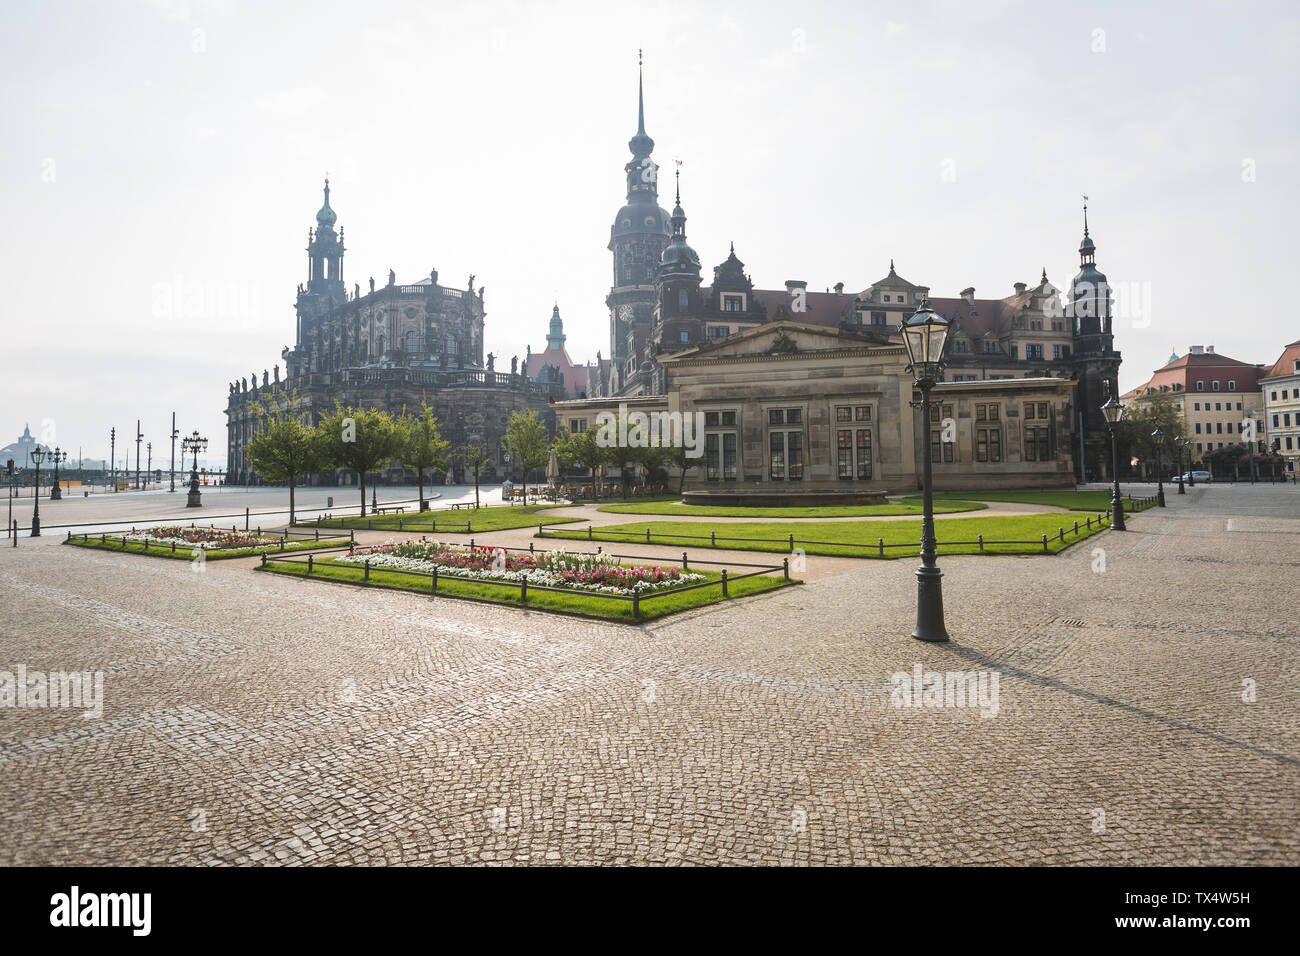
390	509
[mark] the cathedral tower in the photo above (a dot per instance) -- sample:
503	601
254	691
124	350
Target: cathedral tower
1096	363
637	239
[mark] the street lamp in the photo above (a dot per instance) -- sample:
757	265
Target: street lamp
13	474
1159	436
148	468
194	443
56	456
112	456
1114	413
925	334
37	456
1181	442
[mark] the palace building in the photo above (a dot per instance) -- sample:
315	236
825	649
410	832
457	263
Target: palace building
676	339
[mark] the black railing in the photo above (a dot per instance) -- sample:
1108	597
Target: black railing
523	587
867	550
283	537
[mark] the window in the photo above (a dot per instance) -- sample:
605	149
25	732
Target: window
939	449
1284	394
1218	406
720	446
785	444
853	442
1200	386
733	303
986	412
988	444
877	318
683	300
990	347
718	331
1196	406
1198	428
1029	410
1038	443
1056	351
1232	385
960	345
577	425
886	298
1033	352
1272	396
1219	429
685	336
1286	419
1275	420
1214	386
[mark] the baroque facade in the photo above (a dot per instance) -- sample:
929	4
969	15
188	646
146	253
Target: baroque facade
392	348
658	306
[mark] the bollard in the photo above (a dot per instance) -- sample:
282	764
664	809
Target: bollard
309	564
1044	544
352	537
1089	522
173	547
435	525
724	582
713	539
647	535
282	544
434	587
263	559
259	530
1060	532
245	519
471	544
103	539
366	577
636	604
981	537
530	548
399	524
318	534
468	528
588	532
880	543
539	529
523	589
685	566
69	536
1076	527
785	568
791	540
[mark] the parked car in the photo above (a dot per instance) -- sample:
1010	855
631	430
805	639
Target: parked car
1198	475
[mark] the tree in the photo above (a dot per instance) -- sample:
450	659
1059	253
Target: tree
581	449
282	449
527	442
475	457
423	447
1153	410
358	439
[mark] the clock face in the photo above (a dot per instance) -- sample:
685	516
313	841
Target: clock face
625	313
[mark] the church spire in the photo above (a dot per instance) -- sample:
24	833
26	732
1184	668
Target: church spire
555	336
641	144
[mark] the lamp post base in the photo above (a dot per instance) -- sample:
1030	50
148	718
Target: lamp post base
1160	497
929	605
36	528
1117	514
1181	489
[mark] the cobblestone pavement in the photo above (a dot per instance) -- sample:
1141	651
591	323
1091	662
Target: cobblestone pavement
256	719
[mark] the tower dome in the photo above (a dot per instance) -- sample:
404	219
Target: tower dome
326	218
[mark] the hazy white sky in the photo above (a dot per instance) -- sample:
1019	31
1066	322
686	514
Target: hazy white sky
161	145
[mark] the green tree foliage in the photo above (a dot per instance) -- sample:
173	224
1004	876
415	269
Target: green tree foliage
358	439
422	446
527	442
283	448
582	449
1156	410
474	457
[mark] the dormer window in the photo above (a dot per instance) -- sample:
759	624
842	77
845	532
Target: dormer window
1232	385
1214	386
1200	386
733	303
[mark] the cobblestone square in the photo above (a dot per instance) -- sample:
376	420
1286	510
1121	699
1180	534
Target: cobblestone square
253	719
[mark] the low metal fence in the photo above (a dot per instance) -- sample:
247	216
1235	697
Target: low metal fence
283	537
790	541
416	522
636	598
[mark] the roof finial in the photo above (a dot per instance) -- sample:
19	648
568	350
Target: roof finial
1085	215
678	173
891	266
1044	273
640	95
733	247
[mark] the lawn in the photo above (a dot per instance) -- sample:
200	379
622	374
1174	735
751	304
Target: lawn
446	521
585	605
673	507
185	552
854	538
1069	499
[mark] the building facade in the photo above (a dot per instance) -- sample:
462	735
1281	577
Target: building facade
793	409
659	306
1280	398
392	348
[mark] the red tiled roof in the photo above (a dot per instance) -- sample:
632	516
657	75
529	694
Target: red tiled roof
575	376
824	308
1207	367
1285	365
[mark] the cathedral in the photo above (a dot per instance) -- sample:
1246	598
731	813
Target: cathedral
391	347
658	306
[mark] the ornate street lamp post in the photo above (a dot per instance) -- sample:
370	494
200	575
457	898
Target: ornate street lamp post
13	474
56	456
1159	436
1181	442
37	456
148	468
925	334
194	443
1114	413
112	457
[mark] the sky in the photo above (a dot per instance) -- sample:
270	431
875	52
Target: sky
163	161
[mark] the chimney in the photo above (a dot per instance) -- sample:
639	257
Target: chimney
793	284
839	288
968	293
1209	350
1020	288
1195	349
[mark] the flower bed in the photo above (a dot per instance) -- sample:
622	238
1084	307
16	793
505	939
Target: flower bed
209	539
558	569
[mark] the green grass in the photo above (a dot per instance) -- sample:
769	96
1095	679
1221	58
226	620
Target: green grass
585	605
500	518
854	538
184	552
1093	501
672	507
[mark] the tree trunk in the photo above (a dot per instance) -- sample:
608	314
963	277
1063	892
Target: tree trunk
291	483
362	482
525	474
419	477
681	482
476	505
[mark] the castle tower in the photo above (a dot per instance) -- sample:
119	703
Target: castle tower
1093	355
678	311
637	239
